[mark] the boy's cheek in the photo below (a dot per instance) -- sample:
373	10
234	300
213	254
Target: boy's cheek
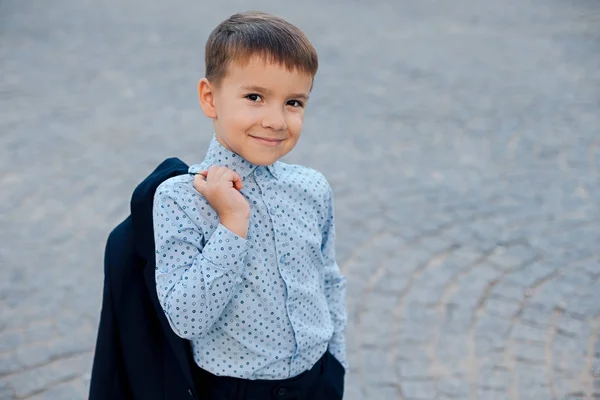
296	121
241	118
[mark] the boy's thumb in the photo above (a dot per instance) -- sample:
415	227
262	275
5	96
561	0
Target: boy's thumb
200	183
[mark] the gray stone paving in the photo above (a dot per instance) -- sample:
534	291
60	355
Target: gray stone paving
462	139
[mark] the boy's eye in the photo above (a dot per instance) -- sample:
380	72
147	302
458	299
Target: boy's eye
295	103
254	97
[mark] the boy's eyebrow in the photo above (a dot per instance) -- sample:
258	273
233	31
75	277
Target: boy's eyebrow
260	89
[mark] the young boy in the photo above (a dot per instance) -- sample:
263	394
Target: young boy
245	258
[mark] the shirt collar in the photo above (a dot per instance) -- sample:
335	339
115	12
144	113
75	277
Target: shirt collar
217	154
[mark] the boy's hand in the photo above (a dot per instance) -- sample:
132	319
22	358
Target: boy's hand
221	187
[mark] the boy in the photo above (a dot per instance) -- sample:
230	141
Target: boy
245	258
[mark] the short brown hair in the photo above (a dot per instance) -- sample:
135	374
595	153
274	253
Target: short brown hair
244	35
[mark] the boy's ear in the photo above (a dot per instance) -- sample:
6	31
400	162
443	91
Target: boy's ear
206	94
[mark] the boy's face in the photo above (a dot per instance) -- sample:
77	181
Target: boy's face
257	109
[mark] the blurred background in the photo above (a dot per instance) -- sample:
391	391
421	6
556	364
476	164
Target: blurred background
462	140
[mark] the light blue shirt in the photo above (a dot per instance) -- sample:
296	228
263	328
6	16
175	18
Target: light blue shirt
264	307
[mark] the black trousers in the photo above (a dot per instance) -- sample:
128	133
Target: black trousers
324	381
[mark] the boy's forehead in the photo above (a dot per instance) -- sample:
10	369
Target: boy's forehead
260	71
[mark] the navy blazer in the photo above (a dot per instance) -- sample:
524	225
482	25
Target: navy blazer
138	356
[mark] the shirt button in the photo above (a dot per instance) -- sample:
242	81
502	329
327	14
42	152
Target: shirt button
258	172
281	392
292	308
272	211
282	259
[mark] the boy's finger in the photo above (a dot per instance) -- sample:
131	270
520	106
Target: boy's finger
238	184
200	183
234	178
214	171
237	181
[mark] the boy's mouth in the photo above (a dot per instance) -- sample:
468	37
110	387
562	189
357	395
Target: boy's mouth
267	141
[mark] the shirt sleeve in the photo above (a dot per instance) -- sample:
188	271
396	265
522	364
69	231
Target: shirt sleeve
195	276
335	285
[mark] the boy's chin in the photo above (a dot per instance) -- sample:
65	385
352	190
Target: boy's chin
262	157
262	161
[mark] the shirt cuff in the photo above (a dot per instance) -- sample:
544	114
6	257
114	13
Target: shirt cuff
226	250
337	347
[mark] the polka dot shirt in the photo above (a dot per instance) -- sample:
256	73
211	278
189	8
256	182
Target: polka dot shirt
264	307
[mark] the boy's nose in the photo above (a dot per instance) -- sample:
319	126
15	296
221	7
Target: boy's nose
274	120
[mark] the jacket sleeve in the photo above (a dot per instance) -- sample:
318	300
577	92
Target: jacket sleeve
335	285
195	276
109	379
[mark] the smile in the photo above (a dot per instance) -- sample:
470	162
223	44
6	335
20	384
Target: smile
268	142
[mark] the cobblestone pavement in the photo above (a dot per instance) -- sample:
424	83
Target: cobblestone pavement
462	140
